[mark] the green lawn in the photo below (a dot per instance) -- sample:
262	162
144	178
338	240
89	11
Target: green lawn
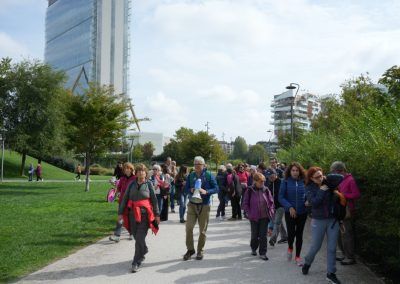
41	222
12	163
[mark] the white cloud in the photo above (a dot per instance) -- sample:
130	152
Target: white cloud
9	47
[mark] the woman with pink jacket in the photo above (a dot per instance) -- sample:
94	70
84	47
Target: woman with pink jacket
350	190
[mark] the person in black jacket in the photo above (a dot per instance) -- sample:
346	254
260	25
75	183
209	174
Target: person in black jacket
274	184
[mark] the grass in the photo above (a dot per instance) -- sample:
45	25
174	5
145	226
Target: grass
42	222
12	164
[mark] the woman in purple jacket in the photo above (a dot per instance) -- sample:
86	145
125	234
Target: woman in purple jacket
259	207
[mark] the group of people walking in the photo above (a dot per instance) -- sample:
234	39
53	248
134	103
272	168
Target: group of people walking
263	194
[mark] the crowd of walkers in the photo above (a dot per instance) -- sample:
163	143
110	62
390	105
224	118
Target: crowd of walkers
263	194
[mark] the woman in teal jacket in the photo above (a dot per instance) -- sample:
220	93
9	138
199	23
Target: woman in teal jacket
292	197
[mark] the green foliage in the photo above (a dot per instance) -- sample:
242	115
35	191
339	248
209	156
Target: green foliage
43	222
256	154
187	144
32	108
98	119
137	152
148	151
240	148
362	129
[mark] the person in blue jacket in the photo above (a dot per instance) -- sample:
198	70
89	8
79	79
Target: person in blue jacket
292	198
198	210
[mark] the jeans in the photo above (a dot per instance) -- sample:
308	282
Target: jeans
258	236
172	197
295	227
160	201
320	227
201	214
182	206
221	206
278	225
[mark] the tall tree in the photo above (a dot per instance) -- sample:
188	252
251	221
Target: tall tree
240	148
98	119
256	154
148	151
33	108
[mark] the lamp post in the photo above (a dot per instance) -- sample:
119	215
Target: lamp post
269	141
2	156
292	86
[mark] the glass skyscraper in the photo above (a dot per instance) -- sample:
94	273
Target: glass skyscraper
88	39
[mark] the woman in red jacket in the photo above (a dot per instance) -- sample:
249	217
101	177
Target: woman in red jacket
124	182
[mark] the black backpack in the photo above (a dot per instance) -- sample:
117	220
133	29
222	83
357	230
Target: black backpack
339	210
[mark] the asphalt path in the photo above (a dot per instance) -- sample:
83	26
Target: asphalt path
227	259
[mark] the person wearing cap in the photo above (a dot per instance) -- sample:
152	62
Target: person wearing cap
274	183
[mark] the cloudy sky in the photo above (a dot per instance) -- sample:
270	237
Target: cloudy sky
222	61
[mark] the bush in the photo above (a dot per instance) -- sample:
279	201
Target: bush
67	164
96	169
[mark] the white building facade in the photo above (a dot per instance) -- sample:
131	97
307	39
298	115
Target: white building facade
305	107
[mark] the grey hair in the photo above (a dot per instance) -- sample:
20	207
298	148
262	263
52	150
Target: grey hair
338	166
157	167
229	166
199	159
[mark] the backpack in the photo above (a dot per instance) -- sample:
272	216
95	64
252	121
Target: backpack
339	205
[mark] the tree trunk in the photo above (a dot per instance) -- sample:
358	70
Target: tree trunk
87	172
22	170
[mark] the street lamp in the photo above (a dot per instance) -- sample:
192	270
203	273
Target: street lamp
292	86
269	141
2	155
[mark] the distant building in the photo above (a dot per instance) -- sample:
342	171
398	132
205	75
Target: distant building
157	139
227	147
88	39
305	107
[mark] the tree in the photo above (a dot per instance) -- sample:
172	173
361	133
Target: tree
148	151
98	119
256	154
137	152
32	108
240	148
391	79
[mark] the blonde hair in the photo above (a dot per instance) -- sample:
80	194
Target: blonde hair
142	167
129	166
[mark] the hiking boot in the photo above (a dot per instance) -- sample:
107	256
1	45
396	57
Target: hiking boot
264	257
331	277
298	261
271	242
199	256
348	261
188	254
289	254
135	268
305	268
114	238
253	252
282	241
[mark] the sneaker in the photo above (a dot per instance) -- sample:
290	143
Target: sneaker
172	211
223	217
282	241
114	238
264	257
298	261
135	268
182	221
305	268
340	258
331	277
199	256
348	261
188	254
289	254
271	242
253	252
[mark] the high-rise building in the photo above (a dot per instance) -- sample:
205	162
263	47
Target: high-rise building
305	107
88	39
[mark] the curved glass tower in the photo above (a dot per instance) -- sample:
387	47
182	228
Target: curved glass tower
88	39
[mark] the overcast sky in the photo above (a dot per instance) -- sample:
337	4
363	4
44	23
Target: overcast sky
223	61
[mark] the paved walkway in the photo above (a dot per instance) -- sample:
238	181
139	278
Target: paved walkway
227	260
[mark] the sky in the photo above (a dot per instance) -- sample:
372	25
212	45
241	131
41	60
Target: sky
222	61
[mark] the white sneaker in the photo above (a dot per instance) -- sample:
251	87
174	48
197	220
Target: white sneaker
114	238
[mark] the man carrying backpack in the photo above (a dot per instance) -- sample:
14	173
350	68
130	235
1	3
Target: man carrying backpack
351	191
198	211
322	195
